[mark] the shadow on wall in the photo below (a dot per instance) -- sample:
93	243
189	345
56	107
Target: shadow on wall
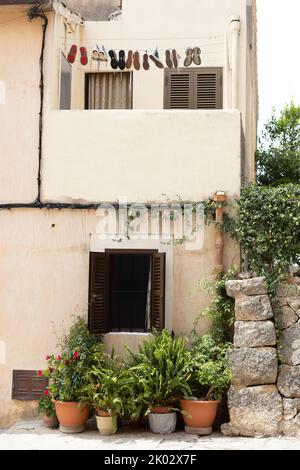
94	10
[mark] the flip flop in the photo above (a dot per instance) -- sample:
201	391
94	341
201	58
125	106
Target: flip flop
136	60
146	64
113	62
121	62
157	62
169	61
189	57
196	55
72	54
175	58
129	60
83	56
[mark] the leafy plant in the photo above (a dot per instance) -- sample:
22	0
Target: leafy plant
161	369
46	405
104	387
267	228
278	154
221	307
210	375
67	371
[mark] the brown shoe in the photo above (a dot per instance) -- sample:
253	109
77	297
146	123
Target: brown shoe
175	58
157	62
146	64
136	60
196	55
169	61
129	60
189	57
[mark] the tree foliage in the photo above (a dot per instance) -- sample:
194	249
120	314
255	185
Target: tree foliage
278	154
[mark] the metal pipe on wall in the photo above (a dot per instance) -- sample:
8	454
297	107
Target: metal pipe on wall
235	28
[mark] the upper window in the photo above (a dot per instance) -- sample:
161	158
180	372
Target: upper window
108	90
195	88
127	291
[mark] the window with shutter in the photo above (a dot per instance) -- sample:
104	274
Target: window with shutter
27	385
98	293
108	90
195	88
158	291
127	291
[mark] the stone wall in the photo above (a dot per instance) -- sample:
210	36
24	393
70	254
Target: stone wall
264	397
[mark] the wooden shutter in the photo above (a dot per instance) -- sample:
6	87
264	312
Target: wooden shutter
158	291
194	88
178	89
98	293
109	90
209	89
27	385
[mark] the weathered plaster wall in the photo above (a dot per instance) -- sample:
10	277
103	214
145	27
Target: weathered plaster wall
44	283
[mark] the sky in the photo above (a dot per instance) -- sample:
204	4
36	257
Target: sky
278	54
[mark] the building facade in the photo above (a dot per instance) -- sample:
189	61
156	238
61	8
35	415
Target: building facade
154	106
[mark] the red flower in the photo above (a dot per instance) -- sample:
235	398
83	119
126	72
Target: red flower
40	373
67	362
48	357
46	392
76	356
58	358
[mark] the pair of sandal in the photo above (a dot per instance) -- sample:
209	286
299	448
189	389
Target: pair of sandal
99	55
73	52
192	55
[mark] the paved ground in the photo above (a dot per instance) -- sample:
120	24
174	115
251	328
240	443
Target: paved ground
32	435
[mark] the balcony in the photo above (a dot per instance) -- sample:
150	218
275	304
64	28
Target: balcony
93	156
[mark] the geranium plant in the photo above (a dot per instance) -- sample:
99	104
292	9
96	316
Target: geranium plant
46	405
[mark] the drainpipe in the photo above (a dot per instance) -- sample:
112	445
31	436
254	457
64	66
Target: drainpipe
235	28
219	199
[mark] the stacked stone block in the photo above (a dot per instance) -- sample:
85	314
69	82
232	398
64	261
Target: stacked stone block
264	398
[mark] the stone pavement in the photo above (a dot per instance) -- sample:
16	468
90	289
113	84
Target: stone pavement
31	435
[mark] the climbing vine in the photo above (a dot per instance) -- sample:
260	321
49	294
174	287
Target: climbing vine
267	227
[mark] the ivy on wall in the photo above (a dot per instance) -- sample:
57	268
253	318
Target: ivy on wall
267	227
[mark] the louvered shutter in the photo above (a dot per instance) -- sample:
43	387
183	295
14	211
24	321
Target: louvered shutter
209	89
178	90
98	293
194	88
158	291
27	385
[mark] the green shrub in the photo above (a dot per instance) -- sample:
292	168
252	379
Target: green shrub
210	375
267	228
161	370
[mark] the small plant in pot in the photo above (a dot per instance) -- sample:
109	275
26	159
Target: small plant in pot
67	377
210	377
162	371
46	409
104	390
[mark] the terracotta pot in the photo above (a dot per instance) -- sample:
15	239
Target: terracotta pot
71	416
199	414
50	421
161	410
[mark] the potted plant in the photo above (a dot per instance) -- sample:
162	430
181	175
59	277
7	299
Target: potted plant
210	377
162	371
46	408
67	377
104	391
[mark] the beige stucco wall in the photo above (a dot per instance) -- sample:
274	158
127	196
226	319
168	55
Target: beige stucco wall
94	156
100	156
44	283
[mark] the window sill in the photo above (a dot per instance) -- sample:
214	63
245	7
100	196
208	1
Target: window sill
127	333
